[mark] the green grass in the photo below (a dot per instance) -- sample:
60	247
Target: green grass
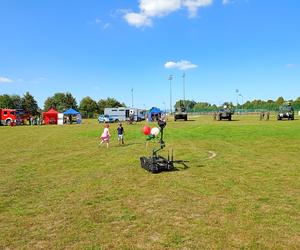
59	190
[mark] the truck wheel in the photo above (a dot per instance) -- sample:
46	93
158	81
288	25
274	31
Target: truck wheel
7	122
116	120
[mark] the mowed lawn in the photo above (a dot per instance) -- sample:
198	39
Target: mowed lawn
59	190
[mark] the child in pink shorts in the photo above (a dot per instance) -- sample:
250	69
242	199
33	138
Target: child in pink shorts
105	135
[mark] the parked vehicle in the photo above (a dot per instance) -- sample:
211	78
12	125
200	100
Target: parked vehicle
224	113
8	116
180	113
125	114
105	118
286	111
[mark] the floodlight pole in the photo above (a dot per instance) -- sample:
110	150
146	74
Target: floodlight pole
165	107
183	81
242	100
131	97
237	97
170	79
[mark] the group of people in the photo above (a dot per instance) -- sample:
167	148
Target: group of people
105	136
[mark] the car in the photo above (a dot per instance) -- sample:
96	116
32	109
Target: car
105	118
286	111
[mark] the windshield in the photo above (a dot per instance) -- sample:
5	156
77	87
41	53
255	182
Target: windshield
286	108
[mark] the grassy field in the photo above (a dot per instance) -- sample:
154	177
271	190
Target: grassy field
59	190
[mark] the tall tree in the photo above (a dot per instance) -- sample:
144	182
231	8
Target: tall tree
189	104
16	101
29	104
280	100
60	101
6	101
88	107
109	103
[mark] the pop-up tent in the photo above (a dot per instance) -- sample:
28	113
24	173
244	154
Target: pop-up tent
72	112
50	117
154	114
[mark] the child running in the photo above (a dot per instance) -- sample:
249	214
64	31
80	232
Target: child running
105	135
120	134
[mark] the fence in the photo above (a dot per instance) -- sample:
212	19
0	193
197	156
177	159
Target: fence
238	112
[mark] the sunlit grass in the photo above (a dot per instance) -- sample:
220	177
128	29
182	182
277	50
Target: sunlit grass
59	189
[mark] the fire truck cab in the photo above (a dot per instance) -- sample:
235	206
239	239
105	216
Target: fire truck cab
7	116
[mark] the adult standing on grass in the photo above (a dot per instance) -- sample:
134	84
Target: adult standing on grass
120	130
105	135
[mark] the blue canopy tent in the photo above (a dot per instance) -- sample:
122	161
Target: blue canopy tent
154	113
73	112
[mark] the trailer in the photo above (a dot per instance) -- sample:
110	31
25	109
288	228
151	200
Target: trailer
125	114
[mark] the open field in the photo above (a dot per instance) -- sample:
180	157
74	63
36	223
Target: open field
59	190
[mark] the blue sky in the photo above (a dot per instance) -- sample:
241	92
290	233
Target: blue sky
104	48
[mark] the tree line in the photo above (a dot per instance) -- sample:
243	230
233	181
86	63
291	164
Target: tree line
88	107
269	105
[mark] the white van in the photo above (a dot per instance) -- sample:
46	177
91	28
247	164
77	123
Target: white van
125	114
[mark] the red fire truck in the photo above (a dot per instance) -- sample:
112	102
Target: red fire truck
7	116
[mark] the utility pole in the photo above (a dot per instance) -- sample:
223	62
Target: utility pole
170	79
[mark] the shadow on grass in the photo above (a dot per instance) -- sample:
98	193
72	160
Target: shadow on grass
189	120
180	167
128	144
233	120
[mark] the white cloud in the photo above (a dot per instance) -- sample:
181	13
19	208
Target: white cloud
153	8
5	79
104	25
290	66
98	20
194	5
226	2
138	19
158	8
181	65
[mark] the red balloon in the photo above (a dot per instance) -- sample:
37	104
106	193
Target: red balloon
146	130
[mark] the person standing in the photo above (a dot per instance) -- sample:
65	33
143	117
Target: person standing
120	130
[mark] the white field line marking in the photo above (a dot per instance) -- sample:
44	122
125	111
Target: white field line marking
212	155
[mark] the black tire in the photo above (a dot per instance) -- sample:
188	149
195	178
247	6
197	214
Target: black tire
116	120
8	122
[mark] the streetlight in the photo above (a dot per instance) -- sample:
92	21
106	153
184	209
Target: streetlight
170	79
